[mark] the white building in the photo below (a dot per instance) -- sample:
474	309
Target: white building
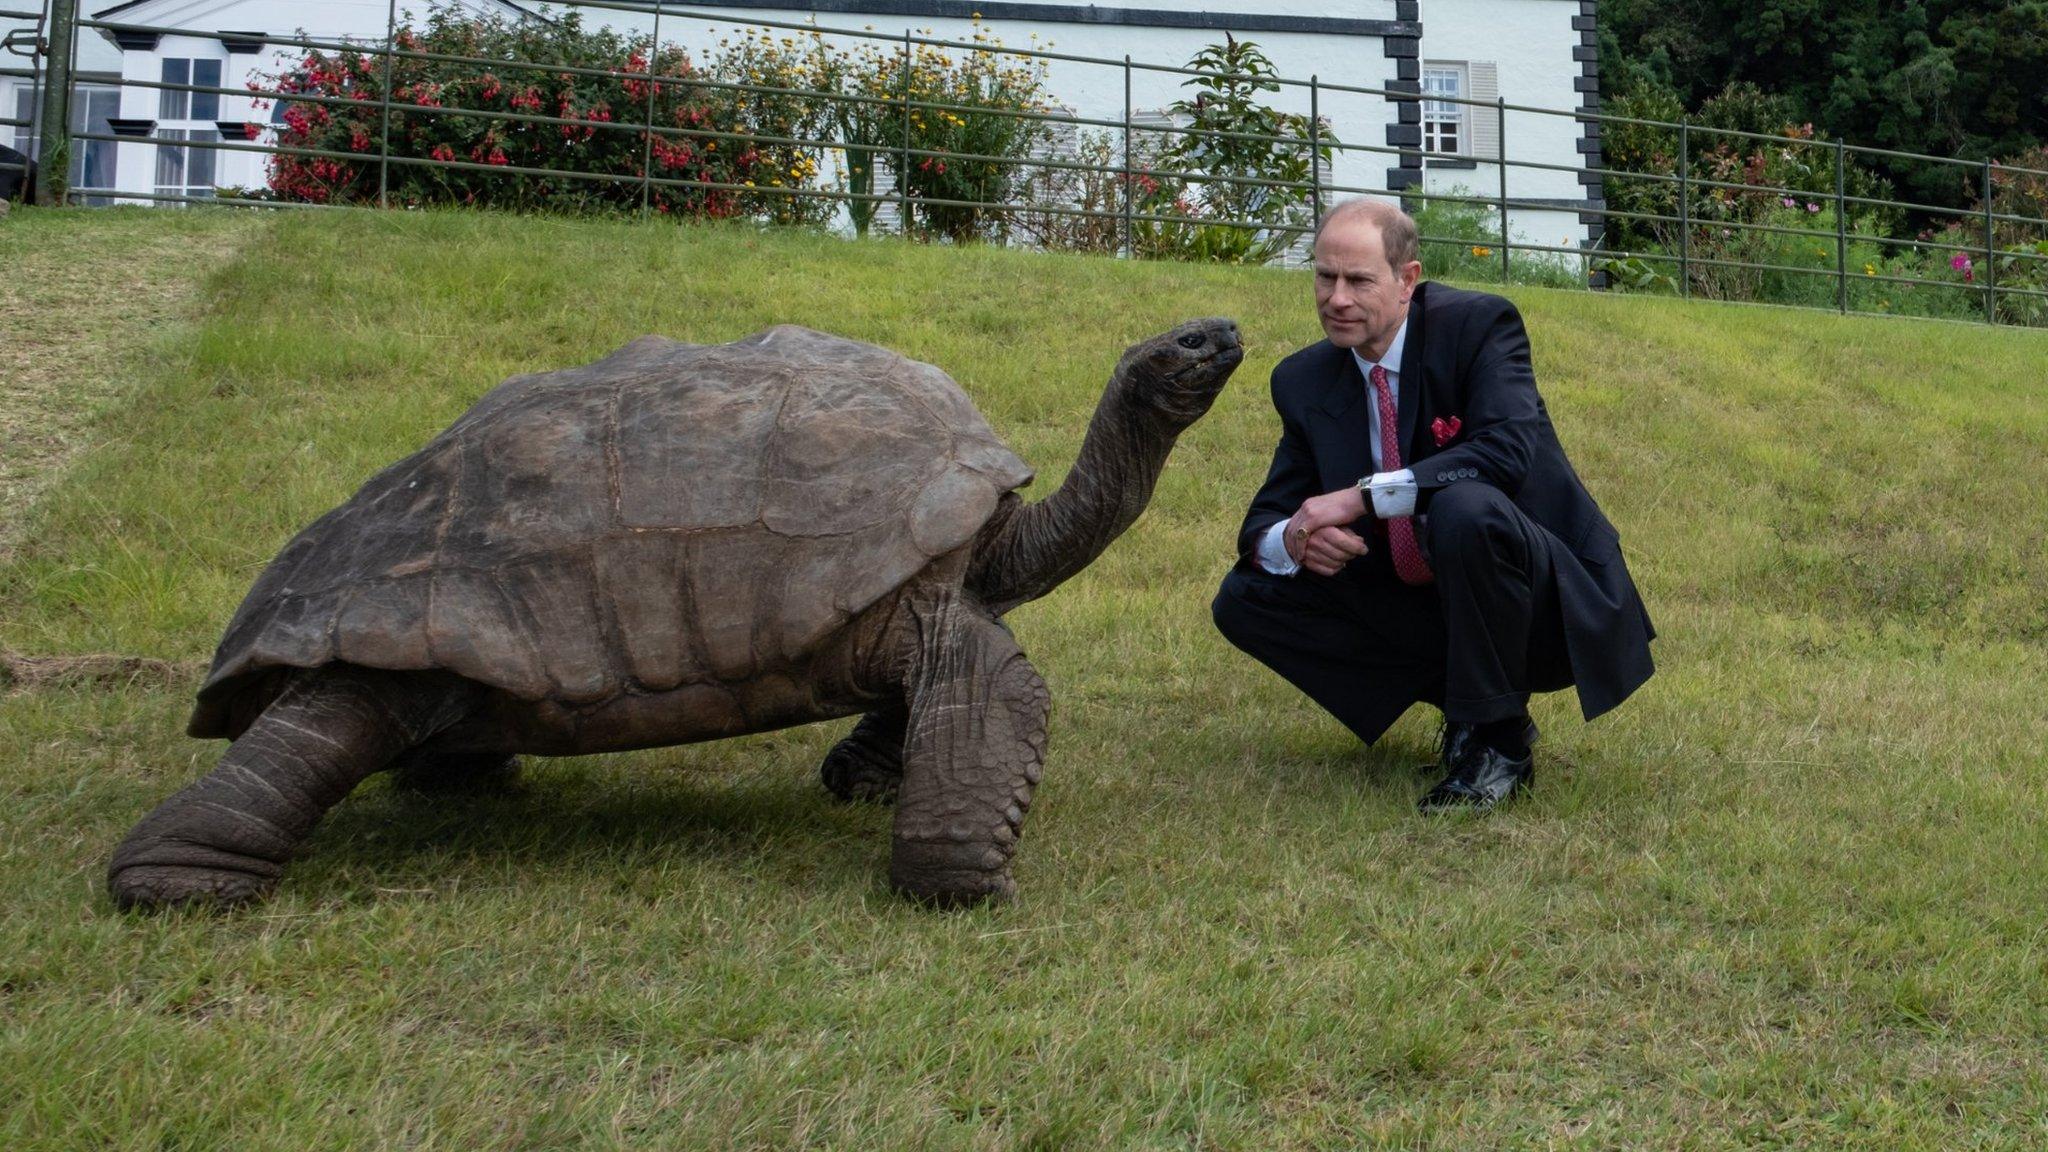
1536	53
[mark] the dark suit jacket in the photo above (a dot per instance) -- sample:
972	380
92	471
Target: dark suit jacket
1466	356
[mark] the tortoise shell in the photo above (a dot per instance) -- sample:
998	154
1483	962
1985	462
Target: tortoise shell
672	514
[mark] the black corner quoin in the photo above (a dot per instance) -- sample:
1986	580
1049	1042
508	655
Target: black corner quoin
1586	23
1404	131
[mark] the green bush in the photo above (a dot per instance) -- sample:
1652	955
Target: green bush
1212	180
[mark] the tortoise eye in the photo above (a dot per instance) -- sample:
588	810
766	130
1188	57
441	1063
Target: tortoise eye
1191	340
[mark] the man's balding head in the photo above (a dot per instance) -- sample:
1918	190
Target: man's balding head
1398	237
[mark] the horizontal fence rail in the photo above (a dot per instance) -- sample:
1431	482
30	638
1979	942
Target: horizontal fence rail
1687	229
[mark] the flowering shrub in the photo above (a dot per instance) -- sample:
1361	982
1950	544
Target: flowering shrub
987	125
1211	179
589	124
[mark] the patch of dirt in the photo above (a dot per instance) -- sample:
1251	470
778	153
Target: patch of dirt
20	673
84	296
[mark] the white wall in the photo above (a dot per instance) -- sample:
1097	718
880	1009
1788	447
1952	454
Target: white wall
1530	42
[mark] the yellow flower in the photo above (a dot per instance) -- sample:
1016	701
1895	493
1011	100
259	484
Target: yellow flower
1869	270
1478	250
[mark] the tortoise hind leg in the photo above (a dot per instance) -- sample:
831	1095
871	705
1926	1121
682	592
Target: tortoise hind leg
971	759
868	763
225	838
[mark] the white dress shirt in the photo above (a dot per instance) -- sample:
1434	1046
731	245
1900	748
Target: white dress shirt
1393	493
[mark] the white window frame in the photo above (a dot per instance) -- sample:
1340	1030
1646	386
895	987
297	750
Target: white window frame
185	171
1446	128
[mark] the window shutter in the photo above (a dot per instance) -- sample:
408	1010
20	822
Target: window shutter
1484	121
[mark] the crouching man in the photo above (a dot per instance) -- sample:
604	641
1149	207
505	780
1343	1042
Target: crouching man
1421	535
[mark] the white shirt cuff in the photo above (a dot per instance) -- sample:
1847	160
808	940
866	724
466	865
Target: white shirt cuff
1393	493
1272	551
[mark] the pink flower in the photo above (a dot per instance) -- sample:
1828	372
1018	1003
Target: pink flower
1959	261
1785	200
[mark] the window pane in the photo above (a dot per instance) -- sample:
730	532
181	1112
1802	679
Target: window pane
1442	82
199	167
206	105
170	162
25	109
172	105
92	161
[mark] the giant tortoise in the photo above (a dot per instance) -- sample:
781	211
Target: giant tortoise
676	543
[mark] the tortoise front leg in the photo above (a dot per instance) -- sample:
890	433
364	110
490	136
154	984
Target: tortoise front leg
971	757
868	763
225	838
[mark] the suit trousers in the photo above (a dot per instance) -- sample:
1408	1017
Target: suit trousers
1365	646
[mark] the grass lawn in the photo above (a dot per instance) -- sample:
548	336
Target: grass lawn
1790	895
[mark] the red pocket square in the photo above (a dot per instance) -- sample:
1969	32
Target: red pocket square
1444	430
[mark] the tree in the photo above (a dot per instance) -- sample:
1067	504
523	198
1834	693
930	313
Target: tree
1942	77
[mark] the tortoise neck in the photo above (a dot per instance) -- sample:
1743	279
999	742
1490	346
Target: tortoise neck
1036	547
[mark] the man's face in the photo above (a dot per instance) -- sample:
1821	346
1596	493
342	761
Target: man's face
1360	299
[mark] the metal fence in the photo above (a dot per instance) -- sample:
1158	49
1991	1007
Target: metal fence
1699	245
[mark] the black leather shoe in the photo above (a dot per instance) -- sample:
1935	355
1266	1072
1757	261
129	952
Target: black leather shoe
1480	776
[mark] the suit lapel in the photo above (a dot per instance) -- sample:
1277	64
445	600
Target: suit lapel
1346	449
1410	400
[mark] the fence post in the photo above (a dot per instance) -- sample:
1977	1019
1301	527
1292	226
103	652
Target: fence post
903	164
1315	150
647	120
384	149
1990	252
1500	138
53	156
1684	208
1130	225
1841	228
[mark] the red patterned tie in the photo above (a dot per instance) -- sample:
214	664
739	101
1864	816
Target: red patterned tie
1408	562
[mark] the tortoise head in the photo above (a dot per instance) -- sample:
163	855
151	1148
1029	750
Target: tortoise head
1178	374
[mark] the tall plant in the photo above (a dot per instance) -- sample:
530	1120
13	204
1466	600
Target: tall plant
1237	181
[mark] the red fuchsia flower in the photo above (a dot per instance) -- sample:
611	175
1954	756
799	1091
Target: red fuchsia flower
358	140
1445	429
251	131
442	152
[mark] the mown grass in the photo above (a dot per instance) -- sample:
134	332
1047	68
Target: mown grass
79	308
1788	896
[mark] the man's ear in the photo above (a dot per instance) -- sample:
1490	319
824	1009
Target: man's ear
1410	275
